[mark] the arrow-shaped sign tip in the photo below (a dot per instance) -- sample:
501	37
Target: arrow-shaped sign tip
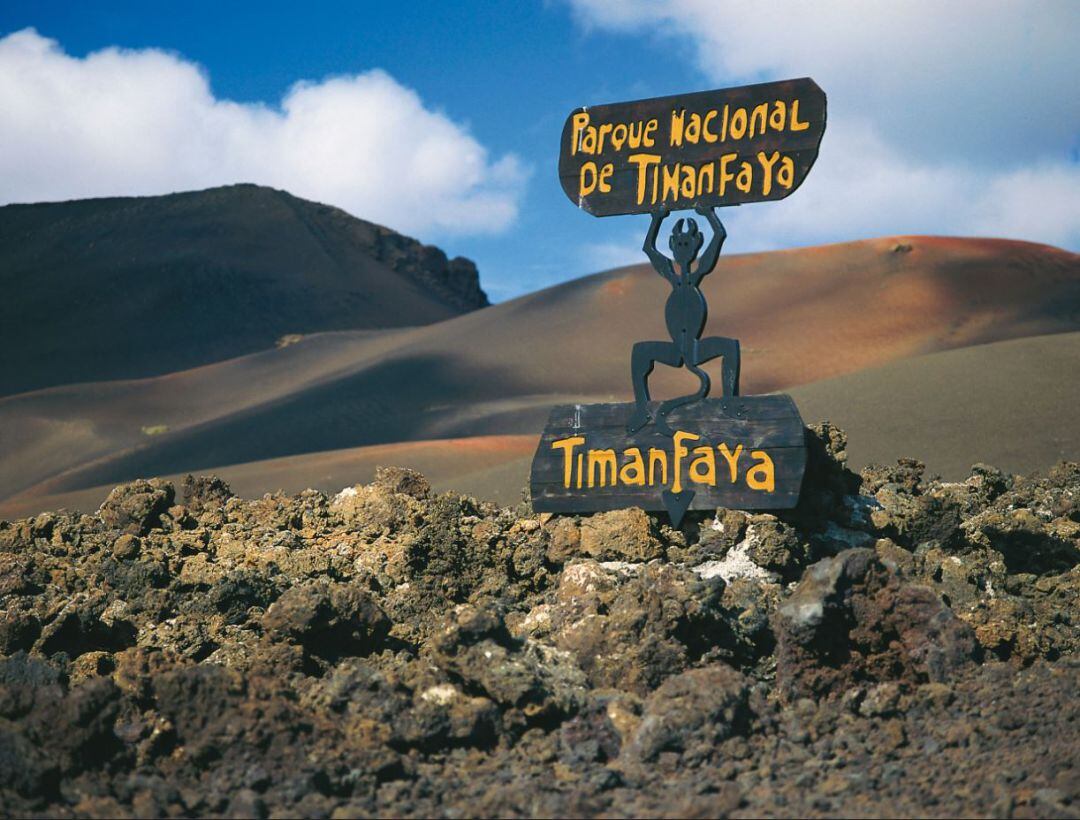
677	504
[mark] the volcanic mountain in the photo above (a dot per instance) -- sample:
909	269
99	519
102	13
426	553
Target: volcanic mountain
465	398
125	288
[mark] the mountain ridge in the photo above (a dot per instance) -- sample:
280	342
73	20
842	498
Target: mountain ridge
129	287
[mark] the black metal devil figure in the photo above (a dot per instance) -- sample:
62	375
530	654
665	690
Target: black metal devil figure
685	314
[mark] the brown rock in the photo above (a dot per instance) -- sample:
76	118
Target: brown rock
475	646
91	665
126	546
564	540
137	507
328	618
205	492
776	546
374	509
631	625
697	708
402	480
852	619
18	630
620	535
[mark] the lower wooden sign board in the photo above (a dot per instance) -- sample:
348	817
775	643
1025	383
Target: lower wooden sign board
743	452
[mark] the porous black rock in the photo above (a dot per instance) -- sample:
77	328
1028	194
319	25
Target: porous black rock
894	641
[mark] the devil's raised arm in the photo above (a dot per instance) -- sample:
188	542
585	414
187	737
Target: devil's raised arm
659	261
707	260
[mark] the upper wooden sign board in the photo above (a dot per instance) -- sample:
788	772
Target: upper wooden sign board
724	147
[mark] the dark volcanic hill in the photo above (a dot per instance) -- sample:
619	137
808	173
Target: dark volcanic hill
129	287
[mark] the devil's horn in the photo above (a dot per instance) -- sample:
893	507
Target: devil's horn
677	230
692	225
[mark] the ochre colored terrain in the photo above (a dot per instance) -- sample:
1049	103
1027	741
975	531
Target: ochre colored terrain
802	316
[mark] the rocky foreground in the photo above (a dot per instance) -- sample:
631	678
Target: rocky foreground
895	646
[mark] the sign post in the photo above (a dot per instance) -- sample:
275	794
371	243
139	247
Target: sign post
694	151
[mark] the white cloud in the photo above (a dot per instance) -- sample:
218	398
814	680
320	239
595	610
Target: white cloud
958	117
862	187
597	256
121	122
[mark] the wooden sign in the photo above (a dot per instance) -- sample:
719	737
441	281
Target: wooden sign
710	148
693	151
744	452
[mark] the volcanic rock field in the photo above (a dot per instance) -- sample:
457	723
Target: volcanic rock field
894	646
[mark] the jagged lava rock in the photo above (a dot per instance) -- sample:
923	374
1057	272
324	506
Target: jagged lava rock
853	618
328	617
619	535
391	650
137	507
691	712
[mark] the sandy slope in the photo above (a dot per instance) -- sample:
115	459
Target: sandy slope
948	409
1014	404
802	316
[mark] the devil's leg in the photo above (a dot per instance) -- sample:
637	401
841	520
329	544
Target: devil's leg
642	360
714	346
689	356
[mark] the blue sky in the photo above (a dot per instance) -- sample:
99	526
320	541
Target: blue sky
963	119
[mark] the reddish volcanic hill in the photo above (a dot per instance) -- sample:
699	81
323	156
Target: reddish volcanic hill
948	409
802	316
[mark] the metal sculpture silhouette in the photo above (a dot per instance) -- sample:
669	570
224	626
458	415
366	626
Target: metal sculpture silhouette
688	152
684	314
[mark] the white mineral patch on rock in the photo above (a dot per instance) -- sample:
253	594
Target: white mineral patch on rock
852	538
805	612
343	496
737	564
584	575
441	694
539	618
860	507
624	567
